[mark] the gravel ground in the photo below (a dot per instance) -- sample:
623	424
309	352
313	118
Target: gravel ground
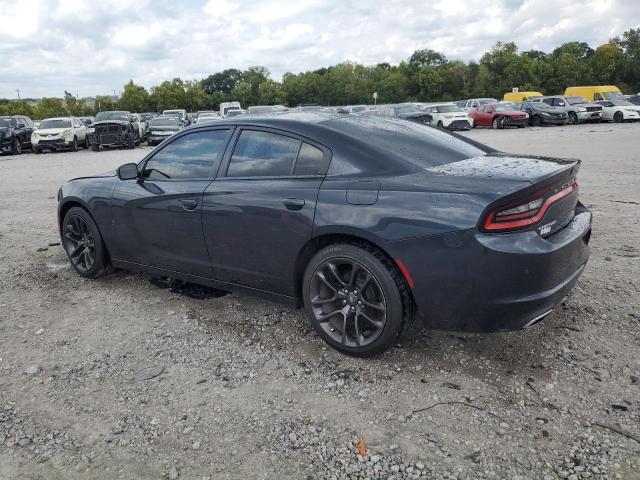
126	378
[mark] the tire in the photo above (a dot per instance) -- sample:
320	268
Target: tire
95	148
618	117
497	123
17	147
131	141
83	244
377	302
87	145
536	121
440	124
74	145
573	118
36	150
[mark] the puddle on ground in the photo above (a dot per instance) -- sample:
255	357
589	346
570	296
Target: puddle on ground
192	290
57	266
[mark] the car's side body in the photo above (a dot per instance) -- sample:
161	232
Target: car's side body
498	116
368	184
15	133
578	108
619	111
59	133
449	116
542	114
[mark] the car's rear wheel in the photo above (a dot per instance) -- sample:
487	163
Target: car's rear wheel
618	117
497	123
83	244
74	145
440	124
356	299
131	141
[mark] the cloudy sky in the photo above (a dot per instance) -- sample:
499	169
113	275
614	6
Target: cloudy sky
94	47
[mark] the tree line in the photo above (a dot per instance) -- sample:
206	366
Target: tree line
425	76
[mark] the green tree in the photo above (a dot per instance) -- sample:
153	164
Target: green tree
135	98
75	106
224	81
105	103
50	107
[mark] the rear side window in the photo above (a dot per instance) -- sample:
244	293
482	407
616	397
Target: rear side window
192	156
311	161
263	154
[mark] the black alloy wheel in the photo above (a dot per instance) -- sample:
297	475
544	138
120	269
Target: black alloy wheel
536	121
618	117
82	242
356	299
573	118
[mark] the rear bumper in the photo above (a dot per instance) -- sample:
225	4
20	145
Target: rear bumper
473	281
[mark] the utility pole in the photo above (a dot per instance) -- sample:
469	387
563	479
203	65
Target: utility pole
17	90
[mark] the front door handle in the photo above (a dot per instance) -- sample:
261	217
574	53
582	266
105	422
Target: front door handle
293	203
189	205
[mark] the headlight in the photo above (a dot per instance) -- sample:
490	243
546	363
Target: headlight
65	133
582	109
35	136
448	116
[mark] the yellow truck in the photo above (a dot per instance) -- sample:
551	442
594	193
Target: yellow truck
520	96
596	93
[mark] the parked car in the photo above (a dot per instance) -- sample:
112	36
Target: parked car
449	116
142	126
474	103
15	134
635	99
266	109
595	93
235	112
578	109
87	121
406	111
371	200
520	96
161	128
114	129
619	111
180	113
207	117
60	133
226	106
499	115
542	114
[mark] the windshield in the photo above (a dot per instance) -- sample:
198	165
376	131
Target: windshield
123	116
6	122
449	109
575	100
614	96
503	108
234	112
485	101
54	123
542	106
164	122
623	103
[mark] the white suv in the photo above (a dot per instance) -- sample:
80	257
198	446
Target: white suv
60	133
449	116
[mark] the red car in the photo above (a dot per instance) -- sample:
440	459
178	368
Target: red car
498	115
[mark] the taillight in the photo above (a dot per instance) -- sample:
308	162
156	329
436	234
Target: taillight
525	213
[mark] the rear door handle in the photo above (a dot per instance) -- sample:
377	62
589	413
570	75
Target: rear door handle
293	203
189	205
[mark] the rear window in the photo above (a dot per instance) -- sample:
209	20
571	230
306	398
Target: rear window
311	161
418	144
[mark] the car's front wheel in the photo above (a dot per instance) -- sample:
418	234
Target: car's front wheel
497	123
74	145
17	147
356	299
573	118
83	244
618	117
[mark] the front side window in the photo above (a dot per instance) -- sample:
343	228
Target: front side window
263	154
193	156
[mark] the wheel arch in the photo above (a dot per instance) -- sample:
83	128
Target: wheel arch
71	202
324	239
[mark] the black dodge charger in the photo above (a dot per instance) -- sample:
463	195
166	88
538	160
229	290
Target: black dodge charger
366	221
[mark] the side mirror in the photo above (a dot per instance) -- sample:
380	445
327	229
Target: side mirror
128	171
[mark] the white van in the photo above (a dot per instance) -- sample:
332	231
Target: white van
226	106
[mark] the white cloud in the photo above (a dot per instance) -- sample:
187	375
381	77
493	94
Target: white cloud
88	48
